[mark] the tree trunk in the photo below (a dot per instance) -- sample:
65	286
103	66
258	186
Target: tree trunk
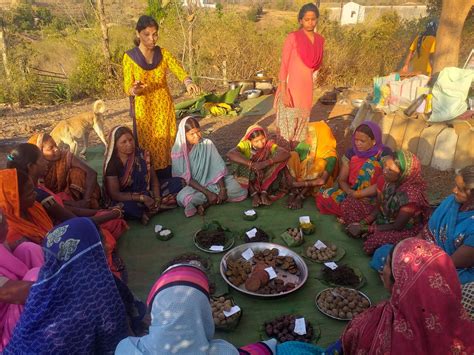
448	37
105	36
3	50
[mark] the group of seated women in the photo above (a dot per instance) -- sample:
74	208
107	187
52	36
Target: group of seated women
379	197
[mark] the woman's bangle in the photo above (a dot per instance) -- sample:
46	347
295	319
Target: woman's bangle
364	228
132	91
119	211
142	198
187	81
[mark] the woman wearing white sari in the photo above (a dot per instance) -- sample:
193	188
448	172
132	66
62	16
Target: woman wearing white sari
197	161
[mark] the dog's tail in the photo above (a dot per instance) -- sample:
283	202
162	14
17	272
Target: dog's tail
99	107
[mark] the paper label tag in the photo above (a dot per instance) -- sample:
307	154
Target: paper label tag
233	310
271	273
304	219
332	265
300	326
217	248
320	245
250	213
248	254
158	228
252	233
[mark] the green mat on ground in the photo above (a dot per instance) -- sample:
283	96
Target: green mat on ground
145	255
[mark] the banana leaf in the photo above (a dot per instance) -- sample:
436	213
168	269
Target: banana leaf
195	105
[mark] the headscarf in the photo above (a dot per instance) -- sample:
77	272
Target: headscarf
377	148
430	30
451	228
182	320
245	146
410	187
34	228
37	139
424	314
127	177
74	306
319	143
310	53
203	163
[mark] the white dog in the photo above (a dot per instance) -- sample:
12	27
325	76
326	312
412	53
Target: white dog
69	131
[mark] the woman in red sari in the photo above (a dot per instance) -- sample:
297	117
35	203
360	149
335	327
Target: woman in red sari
402	207
258	165
361	167
301	58
424	314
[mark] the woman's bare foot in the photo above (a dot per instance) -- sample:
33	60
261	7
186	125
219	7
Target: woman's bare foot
264	199
297	202
201	210
291	198
256	201
145	218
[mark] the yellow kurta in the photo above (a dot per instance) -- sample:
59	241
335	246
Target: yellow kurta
154	110
422	63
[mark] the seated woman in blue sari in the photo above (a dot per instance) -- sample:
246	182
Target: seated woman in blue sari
74	307
197	161
129	178
451	226
182	320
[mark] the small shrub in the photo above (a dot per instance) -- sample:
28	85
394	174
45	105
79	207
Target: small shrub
90	75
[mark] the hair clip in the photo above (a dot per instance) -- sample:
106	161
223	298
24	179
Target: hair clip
10	157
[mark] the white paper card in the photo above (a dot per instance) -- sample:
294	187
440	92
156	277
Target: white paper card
158	228
271	273
252	233
217	248
320	245
304	219
250	213
248	254
300	326
232	311
332	265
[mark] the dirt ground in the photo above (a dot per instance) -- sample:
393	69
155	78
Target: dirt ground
18	124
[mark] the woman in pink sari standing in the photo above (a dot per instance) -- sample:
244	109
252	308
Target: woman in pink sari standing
302	56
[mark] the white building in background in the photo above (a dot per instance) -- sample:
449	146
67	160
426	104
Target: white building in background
352	13
201	3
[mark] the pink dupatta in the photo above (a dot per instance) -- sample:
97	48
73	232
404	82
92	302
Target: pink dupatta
311	53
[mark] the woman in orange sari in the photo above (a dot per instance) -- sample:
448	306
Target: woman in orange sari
27	157
313	164
27	219
68	176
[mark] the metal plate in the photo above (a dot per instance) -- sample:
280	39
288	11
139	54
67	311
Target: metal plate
229	243
236	253
331	316
340	252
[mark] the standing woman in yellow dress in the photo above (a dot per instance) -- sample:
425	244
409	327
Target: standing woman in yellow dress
151	105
